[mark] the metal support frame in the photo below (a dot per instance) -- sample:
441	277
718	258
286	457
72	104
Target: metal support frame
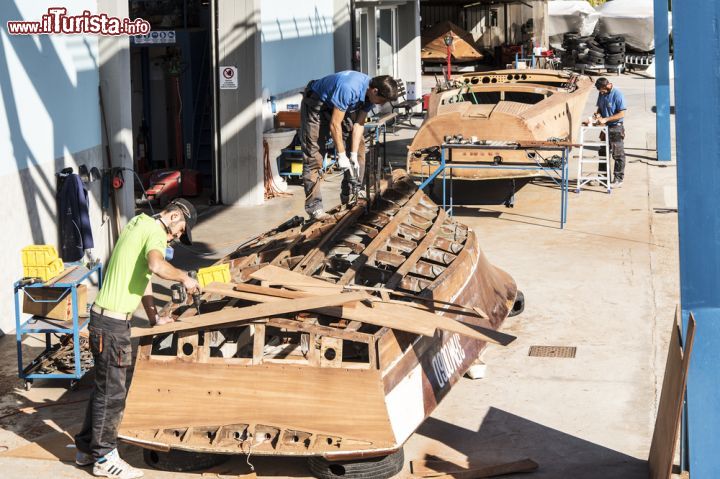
51	326
662	80
562	170
697	94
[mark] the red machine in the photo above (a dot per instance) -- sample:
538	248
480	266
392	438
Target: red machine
162	186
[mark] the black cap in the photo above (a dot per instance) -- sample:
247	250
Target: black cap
190	215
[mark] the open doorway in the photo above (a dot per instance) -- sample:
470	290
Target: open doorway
172	106
376	40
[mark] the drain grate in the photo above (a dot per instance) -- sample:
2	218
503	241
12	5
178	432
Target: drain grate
553	351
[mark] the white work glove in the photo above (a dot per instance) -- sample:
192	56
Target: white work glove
354	160
343	161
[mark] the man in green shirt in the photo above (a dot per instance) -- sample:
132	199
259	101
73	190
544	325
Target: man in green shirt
140	251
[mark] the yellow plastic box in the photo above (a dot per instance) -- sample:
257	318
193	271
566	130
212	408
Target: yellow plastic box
44	272
219	273
296	166
38	255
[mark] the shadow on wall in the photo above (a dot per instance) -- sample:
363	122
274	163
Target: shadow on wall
506	437
295	49
49	93
62	99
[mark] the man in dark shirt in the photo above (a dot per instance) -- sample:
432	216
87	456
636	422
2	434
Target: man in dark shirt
336	106
611	112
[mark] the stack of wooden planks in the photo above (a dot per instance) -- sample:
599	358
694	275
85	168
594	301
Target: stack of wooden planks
294	293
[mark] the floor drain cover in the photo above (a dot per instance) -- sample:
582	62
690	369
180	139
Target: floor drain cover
553	351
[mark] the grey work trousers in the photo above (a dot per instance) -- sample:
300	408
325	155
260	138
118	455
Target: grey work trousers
315	119
616	139
112	351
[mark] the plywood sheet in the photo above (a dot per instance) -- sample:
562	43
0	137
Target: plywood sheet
56	446
304	398
667	423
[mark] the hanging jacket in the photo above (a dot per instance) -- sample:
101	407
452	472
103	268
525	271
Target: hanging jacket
75	231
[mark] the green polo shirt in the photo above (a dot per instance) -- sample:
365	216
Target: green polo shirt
127	274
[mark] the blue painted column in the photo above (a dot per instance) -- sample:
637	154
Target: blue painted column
697	100
662	80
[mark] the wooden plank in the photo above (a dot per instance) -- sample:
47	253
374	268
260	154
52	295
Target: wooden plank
448	470
423	320
382	237
357	312
394	316
295	280
258	343
404	315
288	249
415	256
317	254
319	330
234	315
667	423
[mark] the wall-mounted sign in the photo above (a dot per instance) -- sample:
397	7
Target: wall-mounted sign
228	78
156	37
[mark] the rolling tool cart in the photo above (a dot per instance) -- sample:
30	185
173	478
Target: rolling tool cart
58	308
290	161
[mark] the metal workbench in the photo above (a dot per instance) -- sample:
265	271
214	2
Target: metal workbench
558	173
67	331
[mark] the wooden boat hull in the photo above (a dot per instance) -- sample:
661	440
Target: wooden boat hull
434	50
315	404
506	105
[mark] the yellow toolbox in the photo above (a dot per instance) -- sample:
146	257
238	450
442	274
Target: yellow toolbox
219	273
45	272
296	167
38	255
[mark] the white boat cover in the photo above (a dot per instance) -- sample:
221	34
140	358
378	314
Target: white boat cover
632	19
570	16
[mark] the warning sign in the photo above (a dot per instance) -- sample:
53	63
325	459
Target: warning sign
228	78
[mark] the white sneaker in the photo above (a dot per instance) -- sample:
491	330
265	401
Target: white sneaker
111	465
83	459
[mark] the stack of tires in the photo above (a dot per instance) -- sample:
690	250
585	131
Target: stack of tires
595	53
614	48
573	44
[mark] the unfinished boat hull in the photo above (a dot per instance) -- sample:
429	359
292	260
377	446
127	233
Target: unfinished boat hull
338	389
434	49
504	106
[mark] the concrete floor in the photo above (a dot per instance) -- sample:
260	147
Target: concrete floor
606	284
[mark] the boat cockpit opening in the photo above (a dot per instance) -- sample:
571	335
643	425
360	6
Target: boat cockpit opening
495	96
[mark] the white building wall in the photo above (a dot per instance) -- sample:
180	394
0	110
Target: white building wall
297	43
49	119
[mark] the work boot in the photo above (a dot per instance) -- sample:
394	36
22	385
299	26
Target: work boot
111	465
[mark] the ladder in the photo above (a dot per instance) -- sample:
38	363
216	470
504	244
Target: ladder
603	178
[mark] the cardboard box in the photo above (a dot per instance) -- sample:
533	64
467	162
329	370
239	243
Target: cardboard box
287	119
54	309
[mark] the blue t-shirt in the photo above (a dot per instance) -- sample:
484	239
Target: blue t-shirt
611	104
344	90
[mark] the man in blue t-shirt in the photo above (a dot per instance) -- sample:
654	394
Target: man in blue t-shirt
336	106
611	112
